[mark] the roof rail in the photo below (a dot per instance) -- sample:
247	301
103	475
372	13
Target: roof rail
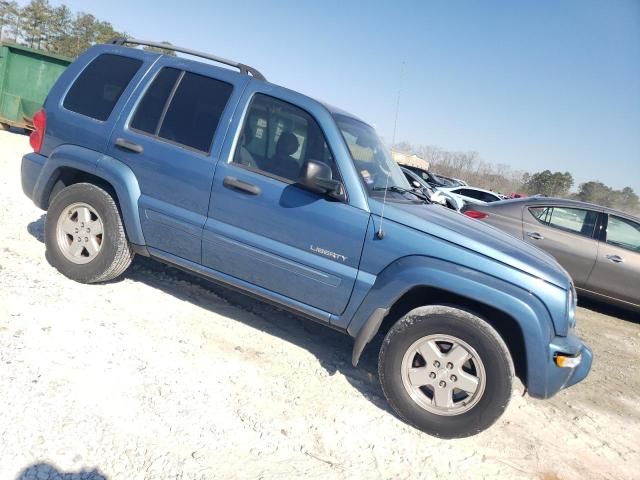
244	69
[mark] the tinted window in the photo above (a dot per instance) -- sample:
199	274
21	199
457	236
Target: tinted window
623	233
195	110
424	175
572	220
469	193
488	197
278	138
99	86
147	116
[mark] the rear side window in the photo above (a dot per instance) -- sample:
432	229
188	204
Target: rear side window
98	88
477	194
623	233
183	108
194	112
469	193
148	113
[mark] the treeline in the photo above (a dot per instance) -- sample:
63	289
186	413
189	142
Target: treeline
469	167
503	179
52	29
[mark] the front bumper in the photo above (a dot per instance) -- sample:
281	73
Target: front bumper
557	377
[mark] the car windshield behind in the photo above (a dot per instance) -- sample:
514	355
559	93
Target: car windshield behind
371	158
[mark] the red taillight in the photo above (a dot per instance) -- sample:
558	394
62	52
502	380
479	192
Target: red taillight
476	214
39	127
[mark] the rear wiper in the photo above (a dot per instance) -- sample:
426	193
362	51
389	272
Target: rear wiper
393	188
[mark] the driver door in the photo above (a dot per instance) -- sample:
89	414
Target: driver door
265	229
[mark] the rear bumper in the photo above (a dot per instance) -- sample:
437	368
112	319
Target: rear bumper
558	378
30	169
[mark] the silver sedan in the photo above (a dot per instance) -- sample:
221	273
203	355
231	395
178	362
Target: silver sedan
598	246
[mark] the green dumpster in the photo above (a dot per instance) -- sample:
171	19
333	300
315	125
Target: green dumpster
26	76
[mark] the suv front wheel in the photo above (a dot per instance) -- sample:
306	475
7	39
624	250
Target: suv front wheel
84	235
446	371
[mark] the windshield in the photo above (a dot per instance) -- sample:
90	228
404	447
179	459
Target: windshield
371	158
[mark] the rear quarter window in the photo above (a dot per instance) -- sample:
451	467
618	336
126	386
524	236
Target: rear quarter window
100	85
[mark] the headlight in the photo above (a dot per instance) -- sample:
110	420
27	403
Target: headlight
572	303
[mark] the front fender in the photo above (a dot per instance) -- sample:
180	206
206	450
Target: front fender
112	171
407	273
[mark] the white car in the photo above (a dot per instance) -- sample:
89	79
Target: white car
473	195
435	194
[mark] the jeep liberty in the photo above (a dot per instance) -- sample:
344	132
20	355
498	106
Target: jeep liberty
268	191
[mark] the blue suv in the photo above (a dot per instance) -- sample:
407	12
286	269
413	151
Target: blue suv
268	191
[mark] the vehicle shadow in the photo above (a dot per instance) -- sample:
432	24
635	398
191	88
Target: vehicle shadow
36	228
46	471
609	310
331	348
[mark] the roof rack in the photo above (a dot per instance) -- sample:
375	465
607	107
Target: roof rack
244	69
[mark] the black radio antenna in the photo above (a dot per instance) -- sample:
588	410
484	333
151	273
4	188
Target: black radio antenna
380	232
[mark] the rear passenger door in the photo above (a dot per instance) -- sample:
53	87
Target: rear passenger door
170	135
568	234
617	271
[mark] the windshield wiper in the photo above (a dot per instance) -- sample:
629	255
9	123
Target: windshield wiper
394	188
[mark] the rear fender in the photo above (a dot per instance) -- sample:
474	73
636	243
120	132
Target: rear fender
112	171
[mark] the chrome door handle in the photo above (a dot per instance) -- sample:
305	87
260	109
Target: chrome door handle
615	258
535	235
127	145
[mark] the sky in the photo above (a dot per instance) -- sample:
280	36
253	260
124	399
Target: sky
548	84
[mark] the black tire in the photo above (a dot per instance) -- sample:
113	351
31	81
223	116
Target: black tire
453	322
115	254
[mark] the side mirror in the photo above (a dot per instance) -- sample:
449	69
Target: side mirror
317	176
416	184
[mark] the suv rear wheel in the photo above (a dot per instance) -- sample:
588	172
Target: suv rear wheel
84	235
446	371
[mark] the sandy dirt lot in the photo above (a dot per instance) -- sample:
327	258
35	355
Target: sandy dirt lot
162	375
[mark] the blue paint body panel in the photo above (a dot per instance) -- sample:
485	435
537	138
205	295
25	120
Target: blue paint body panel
312	254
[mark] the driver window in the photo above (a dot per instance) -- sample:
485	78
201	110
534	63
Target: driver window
277	138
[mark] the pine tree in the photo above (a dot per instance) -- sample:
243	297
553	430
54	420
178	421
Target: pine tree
60	29
36	23
12	25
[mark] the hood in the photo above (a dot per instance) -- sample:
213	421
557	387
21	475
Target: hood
477	236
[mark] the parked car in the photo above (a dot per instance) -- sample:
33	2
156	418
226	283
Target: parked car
449	182
435	195
598	246
473	195
427	176
268	191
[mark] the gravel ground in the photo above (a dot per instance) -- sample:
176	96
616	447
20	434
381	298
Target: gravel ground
162	375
